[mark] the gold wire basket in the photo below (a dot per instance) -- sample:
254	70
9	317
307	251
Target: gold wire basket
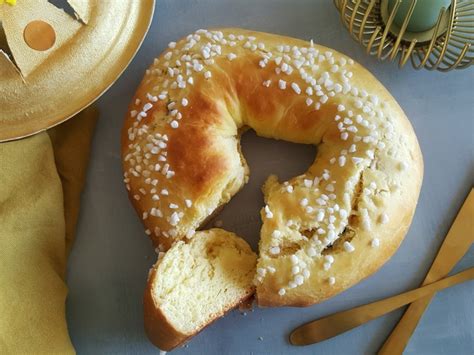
448	45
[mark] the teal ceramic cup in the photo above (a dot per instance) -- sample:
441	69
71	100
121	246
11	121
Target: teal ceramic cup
424	15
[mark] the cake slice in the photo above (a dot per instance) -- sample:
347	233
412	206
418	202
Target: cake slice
195	283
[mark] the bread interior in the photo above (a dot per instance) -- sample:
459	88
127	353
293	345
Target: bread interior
200	280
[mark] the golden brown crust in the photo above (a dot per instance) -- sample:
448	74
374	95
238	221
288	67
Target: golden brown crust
157	328
369	163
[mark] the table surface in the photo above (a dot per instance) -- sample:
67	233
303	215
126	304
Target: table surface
110	261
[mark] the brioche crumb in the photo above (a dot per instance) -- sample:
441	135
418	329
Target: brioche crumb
198	281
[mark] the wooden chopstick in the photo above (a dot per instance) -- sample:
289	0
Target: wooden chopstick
335	324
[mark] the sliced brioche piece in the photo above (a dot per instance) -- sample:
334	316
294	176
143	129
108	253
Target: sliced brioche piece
195	283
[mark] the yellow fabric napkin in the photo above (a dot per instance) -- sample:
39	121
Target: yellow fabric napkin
41	178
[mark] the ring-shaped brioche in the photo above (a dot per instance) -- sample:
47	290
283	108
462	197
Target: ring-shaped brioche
322	231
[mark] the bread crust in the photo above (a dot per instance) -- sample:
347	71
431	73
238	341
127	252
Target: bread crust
158	329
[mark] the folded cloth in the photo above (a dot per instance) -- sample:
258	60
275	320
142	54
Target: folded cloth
41	178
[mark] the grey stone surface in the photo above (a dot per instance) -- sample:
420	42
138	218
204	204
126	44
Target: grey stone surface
109	264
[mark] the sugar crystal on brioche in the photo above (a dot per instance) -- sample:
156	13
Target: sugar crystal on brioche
182	157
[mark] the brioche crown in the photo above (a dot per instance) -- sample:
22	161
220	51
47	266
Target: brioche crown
324	230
